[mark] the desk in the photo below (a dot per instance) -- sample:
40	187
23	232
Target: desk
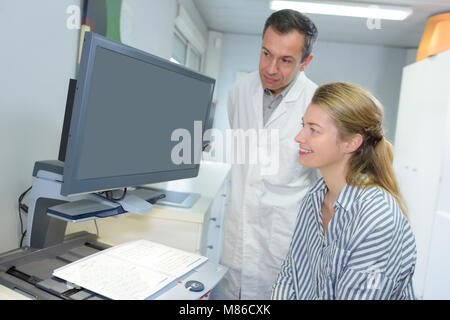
197	229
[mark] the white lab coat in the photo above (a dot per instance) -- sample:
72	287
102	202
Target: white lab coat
261	215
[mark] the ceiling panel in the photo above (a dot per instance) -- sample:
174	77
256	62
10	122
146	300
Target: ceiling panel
248	16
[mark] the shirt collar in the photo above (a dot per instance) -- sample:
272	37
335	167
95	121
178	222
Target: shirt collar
345	198
286	90
318	186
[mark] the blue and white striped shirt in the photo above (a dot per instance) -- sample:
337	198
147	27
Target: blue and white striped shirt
368	252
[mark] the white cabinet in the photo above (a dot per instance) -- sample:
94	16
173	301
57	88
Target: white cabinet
420	154
437	280
214	239
197	229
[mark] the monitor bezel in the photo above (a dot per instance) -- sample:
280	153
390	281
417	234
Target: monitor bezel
72	186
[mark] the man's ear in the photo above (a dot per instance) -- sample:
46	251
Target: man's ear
305	63
354	143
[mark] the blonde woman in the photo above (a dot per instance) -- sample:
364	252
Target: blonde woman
352	238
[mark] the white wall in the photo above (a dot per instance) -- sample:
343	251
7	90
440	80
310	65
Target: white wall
213	58
377	68
411	55
152	28
239	53
37	58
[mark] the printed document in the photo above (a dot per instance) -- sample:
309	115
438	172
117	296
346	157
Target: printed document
130	271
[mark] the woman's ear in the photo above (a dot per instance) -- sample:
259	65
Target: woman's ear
354	143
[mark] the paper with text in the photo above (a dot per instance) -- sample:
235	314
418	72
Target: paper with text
130	271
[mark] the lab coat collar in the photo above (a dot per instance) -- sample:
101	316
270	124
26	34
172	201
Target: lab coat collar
294	91
286	90
292	96
297	89
258	105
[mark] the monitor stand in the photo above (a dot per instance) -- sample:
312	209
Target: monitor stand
175	198
92	207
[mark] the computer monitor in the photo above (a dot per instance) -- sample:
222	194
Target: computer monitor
127	105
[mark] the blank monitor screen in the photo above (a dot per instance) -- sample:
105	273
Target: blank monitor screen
127	106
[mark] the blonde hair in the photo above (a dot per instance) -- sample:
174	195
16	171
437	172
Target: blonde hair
356	111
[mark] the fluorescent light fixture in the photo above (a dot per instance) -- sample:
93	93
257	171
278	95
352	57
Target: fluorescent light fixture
347	9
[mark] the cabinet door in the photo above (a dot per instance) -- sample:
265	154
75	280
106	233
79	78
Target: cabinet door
419	148
216	214
437	284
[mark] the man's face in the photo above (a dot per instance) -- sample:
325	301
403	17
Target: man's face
280	59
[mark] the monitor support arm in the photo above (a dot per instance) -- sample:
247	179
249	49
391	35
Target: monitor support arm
45	229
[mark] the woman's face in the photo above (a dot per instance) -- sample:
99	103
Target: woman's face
319	142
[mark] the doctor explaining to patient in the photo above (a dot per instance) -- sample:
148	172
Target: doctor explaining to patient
264	203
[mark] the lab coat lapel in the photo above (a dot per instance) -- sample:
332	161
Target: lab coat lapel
257	100
290	98
279	111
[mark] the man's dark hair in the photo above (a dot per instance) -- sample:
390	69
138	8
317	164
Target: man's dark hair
287	20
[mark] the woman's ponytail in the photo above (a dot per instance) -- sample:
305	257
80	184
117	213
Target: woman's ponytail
384	175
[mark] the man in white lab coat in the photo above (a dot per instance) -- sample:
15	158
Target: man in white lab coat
265	201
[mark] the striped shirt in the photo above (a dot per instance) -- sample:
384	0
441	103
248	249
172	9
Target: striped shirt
368	251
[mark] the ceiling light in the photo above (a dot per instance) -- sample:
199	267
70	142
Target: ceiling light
347	9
